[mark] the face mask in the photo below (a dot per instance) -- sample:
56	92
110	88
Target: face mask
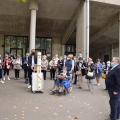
112	64
33	53
81	61
43	58
64	71
26	57
68	58
74	58
108	65
6	57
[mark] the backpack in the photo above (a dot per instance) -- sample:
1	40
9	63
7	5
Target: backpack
66	84
27	81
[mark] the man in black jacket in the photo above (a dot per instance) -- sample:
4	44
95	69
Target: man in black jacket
32	60
113	86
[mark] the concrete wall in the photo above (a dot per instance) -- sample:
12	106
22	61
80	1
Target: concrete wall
116	52
1	43
105	53
56	46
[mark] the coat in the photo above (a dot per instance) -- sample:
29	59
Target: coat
25	63
92	67
83	70
4	63
30	60
113	79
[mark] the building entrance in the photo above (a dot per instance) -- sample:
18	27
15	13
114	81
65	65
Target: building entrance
16	52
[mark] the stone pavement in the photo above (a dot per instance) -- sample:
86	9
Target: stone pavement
19	103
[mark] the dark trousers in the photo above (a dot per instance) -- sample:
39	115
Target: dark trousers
6	71
25	73
17	73
52	73
0	73
29	75
115	105
44	74
75	81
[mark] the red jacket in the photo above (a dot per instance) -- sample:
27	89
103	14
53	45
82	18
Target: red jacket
4	63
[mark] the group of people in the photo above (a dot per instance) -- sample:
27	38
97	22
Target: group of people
76	68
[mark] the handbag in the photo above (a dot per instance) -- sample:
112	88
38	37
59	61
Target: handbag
54	67
18	67
103	75
90	74
78	72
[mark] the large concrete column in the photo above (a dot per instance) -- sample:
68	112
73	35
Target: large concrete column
33	7
63	50
81	31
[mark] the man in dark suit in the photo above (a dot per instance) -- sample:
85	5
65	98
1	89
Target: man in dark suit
32	60
113	86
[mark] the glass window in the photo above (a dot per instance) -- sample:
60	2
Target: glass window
19	42
42	43
37	43
13	42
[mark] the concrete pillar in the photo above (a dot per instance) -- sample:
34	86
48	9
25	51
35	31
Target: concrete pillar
119	34
63	50
81	31
33	7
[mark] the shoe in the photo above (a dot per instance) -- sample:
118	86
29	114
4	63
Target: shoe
3	78
8	79
61	89
54	91
108	119
80	87
105	89
95	83
98	84
18	78
2	81
29	86
74	83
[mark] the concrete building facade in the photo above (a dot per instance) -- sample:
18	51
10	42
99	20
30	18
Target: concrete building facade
59	27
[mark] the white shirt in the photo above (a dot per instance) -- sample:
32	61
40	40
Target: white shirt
33	61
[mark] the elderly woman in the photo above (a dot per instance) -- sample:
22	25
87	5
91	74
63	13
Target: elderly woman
98	71
17	66
44	66
53	68
90	74
6	66
81	67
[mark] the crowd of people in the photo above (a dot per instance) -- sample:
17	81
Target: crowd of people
77	68
72	67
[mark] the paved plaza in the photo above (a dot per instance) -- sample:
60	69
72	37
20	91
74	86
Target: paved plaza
17	102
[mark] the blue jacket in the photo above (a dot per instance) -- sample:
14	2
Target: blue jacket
113	79
25	66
